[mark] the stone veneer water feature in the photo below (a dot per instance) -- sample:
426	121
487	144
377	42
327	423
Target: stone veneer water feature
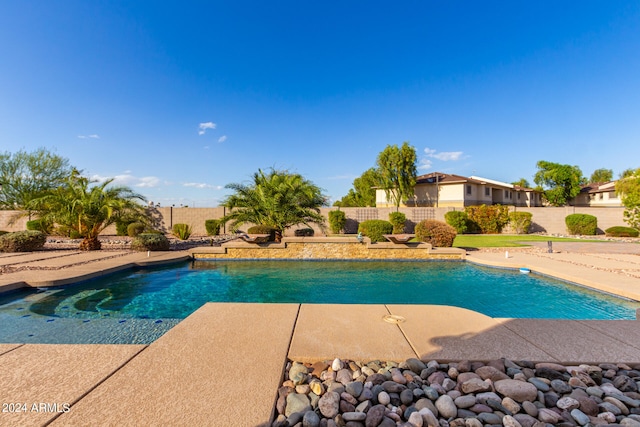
324	248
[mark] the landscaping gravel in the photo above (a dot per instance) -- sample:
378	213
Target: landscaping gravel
418	393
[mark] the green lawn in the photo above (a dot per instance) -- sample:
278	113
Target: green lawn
506	241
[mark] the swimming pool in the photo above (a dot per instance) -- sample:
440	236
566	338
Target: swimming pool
139	306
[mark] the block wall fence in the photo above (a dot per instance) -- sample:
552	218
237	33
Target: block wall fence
545	219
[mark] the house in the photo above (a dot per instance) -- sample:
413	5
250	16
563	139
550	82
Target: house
439	189
598	195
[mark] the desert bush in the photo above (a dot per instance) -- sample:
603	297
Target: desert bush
22	241
182	231
304	232
458	220
66	231
337	221
135	228
150	242
489	219
397	219
263	229
620	231
583	224
213	227
520	222
122	227
375	229
39	225
438	233
3	232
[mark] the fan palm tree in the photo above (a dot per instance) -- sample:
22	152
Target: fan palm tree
84	210
278	199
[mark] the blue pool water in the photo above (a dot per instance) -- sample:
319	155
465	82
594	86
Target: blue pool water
139	306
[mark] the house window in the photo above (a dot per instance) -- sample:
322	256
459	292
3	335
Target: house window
506	194
487	191
612	195
518	196
468	189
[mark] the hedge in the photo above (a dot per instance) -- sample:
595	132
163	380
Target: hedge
213	227
489	219
397	220
337	221
458	220
22	241
150	242
582	224
438	233
375	229
620	231
520	222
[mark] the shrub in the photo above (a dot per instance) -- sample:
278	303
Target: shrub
375	229
304	232
583	224
458	220
135	228
490	219
3	232
67	231
337	221
39	225
22	241
620	231
520	222
397	219
182	231
213	227
122	227
263	229
438	233
150	242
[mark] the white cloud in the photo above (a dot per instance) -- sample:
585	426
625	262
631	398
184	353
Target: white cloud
425	164
147	182
223	138
204	126
201	185
130	180
92	136
445	156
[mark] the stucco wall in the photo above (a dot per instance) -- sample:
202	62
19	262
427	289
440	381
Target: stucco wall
545	219
9	221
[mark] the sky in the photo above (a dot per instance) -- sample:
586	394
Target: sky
177	99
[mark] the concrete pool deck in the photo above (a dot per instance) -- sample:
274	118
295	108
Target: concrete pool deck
207	369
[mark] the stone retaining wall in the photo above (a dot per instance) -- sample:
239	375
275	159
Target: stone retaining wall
325	248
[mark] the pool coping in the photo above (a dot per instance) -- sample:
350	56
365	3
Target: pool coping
196	373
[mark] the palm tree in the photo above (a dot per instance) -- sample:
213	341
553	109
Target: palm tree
278	199
84	210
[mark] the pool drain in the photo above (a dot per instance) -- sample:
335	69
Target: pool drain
393	318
